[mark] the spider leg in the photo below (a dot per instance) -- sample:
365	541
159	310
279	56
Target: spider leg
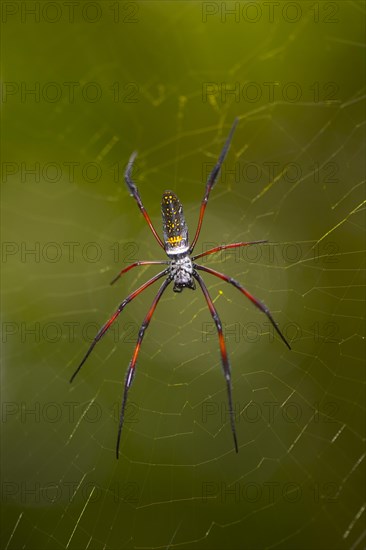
122	305
224	356
135	193
211	181
255	301
224	247
131	367
137	264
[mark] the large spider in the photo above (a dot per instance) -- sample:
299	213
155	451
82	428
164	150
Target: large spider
183	271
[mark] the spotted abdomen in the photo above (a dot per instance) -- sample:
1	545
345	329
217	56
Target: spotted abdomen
174	225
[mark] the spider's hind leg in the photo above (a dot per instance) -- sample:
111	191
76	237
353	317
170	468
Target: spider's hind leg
224	355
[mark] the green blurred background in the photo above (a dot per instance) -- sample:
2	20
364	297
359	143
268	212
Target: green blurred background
112	77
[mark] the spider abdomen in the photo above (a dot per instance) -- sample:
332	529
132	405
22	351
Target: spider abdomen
174	225
181	272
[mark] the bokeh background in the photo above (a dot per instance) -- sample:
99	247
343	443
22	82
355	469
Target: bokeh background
84	85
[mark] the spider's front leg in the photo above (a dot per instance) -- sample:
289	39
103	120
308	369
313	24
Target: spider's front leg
136	195
211	182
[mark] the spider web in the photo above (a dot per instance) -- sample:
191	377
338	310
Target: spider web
294	176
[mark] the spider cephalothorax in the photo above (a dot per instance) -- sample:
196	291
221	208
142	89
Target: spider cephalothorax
183	271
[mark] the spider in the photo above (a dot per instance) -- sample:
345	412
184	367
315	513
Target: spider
182	270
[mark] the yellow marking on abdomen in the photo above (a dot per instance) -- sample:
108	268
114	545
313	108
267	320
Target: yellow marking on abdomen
176	239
